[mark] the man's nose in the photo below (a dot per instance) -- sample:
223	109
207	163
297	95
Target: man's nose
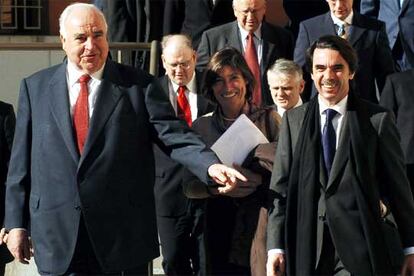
89	43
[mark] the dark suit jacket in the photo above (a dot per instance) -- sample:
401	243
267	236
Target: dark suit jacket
397	21
300	10
134	21
50	186
169	197
398	96
367	37
201	15
277	43
7	123
356	239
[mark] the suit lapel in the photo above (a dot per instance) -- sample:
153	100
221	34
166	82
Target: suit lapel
202	103
342	153
327	26
59	105
108	96
355	31
268	48
404	6
235	39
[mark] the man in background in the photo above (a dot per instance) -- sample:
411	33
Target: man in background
177	226
398	16
260	42
398	96
366	35
7	124
286	84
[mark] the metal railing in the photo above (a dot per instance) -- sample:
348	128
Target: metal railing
119	47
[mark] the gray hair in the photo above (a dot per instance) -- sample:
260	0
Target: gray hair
68	11
185	39
286	67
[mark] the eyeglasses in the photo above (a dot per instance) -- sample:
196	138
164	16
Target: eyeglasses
183	65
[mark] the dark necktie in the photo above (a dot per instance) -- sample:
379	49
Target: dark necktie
183	108
81	113
252	61
329	140
341	31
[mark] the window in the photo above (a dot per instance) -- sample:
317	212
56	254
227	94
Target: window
23	16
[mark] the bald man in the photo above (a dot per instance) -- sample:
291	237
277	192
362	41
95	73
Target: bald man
81	172
180	243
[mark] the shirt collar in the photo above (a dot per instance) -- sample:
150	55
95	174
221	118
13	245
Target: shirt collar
191	86
281	110
339	107
348	19
244	33
74	73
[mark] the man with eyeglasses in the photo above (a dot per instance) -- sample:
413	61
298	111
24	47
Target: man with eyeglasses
180	243
260	42
367	36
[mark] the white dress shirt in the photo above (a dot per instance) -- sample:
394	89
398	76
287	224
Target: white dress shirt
340	107
346	23
190	93
72	77
282	111
258	41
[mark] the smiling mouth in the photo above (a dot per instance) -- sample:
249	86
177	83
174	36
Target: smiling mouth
229	94
329	83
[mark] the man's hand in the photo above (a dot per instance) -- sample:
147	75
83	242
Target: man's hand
225	176
245	188
275	264
408	266
3	236
19	245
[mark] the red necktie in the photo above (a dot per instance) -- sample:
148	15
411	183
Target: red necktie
250	56
81	113
184	110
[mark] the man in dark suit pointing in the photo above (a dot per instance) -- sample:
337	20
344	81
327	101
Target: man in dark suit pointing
82	167
338	157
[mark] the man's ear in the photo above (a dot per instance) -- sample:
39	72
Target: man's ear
302	86
62	40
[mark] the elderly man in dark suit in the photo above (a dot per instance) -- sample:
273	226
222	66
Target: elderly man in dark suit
269	42
177	224
338	156
82	167
7	123
398	96
398	16
367	36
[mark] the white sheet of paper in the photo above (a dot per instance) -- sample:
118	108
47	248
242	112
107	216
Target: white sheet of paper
237	141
